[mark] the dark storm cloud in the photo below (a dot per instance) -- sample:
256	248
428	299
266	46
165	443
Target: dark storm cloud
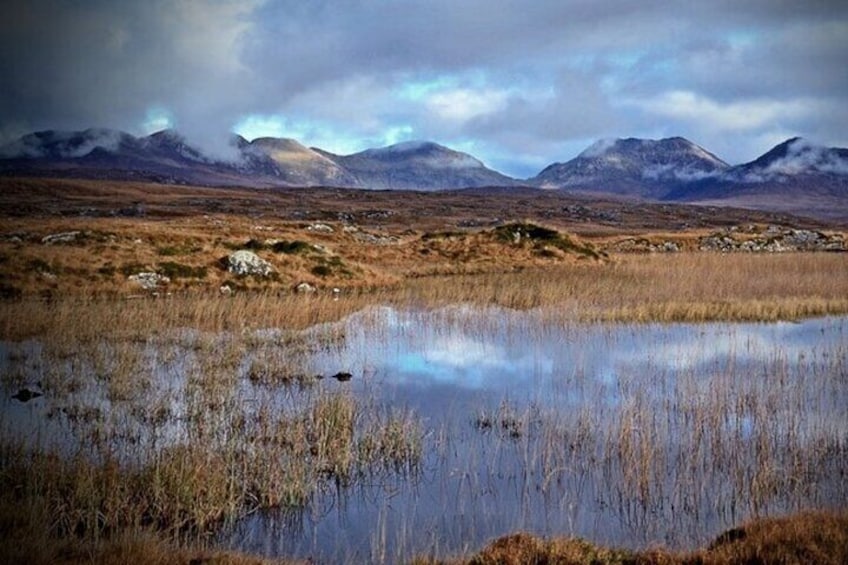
520	80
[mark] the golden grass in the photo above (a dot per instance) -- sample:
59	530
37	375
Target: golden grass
690	287
801	539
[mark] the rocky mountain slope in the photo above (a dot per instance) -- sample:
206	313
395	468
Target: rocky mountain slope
795	176
418	165
264	162
644	168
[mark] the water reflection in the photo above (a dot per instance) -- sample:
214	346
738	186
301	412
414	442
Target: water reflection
628	435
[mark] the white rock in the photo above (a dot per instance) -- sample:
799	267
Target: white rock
323	228
63	237
148	281
248	263
305	287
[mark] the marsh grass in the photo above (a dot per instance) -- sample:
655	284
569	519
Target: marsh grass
807	537
651	288
181	435
181	461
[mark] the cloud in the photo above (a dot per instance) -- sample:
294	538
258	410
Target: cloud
739	116
598	148
461	105
802	155
526	82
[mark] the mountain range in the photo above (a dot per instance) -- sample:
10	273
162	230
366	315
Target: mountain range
793	176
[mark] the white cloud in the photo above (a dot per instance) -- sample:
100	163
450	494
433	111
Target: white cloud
463	104
737	116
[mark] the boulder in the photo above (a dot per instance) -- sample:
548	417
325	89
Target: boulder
305	287
25	395
63	237
321	228
148	280
248	263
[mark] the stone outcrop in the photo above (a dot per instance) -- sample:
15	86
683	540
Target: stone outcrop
639	245
148	280
774	239
64	237
244	263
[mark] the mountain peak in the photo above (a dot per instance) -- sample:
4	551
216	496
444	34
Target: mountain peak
423	165
795	156
643	167
412	146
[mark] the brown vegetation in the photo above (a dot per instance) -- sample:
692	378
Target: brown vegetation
810	537
414	251
668	287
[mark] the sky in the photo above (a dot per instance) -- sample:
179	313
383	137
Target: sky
519	84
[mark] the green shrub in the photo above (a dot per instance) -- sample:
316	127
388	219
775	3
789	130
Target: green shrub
322	270
522	231
291	247
253	245
38	265
174	270
128	269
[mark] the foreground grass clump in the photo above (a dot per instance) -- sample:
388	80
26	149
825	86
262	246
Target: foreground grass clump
544	240
810	537
267	462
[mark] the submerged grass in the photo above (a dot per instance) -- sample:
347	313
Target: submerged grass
205	458
216	443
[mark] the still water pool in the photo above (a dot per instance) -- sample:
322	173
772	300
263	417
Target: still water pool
629	435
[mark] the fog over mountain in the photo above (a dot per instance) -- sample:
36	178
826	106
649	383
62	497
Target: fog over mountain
796	175
634	167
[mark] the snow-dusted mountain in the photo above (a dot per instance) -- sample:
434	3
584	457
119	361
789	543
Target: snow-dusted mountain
793	158
166	156
421	165
643	168
298	165
794	176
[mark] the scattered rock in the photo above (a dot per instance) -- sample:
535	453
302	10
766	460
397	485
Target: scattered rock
641	245
63	237
25	395
321	228
372	239
244	262
305	288
148	280
342	376
773	240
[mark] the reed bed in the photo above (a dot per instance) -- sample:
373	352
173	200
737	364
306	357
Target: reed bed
663	288
176	436
178	414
